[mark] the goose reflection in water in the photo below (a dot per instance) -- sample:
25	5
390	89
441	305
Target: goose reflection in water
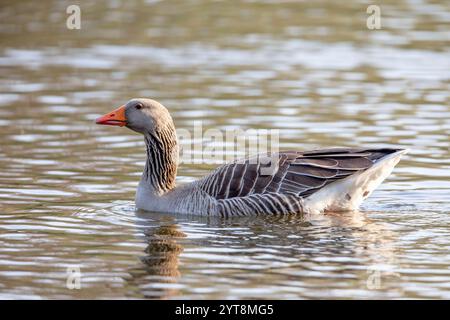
157	275
264	255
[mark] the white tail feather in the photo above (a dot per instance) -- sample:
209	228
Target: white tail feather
348	194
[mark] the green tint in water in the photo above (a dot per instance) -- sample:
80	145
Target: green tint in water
312	70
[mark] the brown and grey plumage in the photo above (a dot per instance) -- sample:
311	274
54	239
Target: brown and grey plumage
280	183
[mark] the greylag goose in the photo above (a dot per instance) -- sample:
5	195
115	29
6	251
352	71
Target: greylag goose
336	179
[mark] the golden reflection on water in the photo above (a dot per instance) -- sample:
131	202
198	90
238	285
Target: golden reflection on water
310	69
161	260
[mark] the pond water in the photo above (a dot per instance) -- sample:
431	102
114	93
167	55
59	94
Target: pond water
312	70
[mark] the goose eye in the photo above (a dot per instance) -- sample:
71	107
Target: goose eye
138	106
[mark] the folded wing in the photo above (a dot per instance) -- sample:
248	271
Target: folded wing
288	173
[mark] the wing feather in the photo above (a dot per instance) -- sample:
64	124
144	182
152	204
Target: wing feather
295	173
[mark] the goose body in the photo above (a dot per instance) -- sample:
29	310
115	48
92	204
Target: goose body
290	182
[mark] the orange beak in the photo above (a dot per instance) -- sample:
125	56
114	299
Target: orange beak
115	118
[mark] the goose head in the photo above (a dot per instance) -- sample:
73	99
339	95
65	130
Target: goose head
144	116
153	120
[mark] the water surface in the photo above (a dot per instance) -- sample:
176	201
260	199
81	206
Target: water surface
312	70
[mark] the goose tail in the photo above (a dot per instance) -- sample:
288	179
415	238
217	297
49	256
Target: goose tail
348	194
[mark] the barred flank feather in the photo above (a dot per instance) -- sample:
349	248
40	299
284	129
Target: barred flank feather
241	189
